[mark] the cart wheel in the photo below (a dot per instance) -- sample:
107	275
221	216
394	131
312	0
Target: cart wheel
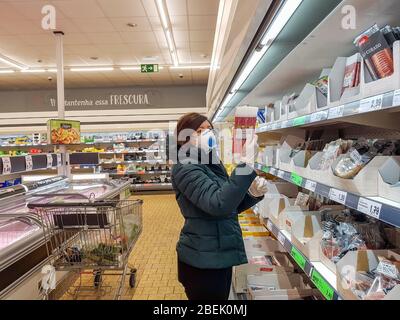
97	279
132	278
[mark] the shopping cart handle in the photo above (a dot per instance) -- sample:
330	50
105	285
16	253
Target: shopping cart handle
73	204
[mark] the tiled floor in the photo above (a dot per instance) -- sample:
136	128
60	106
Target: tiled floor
154	256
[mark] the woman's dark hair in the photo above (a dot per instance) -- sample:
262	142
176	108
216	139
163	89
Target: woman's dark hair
191	121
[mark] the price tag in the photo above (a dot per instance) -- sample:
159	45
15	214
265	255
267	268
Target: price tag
296	179
273	171
338	196
311	185
265	169
319	116
371	104
396	98
388	269
28	163
355	156
59	160
49	160
269	225
299	121
322	285
6	165
281	174
370	208
298	257
336	112
281	239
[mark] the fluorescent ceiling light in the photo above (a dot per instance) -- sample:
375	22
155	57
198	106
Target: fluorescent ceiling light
12	63
278	23
169	39
190	67
92	69
33	71
7	71
130	68
51	70
175	59
163	13
284	14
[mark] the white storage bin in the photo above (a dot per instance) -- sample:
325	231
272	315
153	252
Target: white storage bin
389	179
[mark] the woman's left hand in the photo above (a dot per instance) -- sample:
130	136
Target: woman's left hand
259	187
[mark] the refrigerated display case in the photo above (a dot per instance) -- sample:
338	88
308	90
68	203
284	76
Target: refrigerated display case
22	245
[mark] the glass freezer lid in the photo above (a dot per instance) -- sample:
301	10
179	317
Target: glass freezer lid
14	230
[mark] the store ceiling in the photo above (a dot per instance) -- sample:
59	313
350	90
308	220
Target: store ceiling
98	28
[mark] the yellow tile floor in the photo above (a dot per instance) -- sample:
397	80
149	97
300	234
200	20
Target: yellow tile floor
154	256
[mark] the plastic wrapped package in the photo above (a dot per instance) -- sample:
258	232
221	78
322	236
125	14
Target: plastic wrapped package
361	153
332	151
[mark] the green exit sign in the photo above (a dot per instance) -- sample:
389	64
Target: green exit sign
149	68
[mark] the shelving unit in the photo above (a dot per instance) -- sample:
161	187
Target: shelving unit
376	207
321	276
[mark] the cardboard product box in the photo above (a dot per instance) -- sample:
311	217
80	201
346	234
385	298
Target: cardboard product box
393	235
362	261
278	287
277	206
282	188
258	231
273	266
289	215
306	235
266	244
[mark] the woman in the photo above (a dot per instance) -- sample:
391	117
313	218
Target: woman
211	240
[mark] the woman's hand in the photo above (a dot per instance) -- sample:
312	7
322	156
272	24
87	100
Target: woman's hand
259	187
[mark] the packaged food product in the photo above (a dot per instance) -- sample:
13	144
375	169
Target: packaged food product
322	85
376	52
352	72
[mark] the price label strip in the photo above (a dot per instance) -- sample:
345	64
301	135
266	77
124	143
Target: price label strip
298	257
319	116
371	104
336	112
396	99
28	163
49	160
299	121
269	225
296	179
311	185
281	174
6	165
281	239
370	208
265	169
338	196
323	286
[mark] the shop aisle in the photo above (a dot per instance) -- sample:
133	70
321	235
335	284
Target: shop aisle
154	255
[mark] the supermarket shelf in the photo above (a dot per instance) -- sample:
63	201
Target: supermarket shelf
136	173
323	278
29	163
389	101
160	161
83	143
152	186
385	210
130	152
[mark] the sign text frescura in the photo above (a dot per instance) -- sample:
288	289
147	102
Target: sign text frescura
112	100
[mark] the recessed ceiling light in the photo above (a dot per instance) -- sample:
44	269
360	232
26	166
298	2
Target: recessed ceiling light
132	25
150	58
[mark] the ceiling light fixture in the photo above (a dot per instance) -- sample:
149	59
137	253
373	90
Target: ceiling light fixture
190	67
33	70
129	68
280	20
7	71
12	62
91	69
166	24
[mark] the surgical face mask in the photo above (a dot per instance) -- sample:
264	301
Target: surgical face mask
207	141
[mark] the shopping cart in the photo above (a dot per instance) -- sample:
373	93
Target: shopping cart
97	236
